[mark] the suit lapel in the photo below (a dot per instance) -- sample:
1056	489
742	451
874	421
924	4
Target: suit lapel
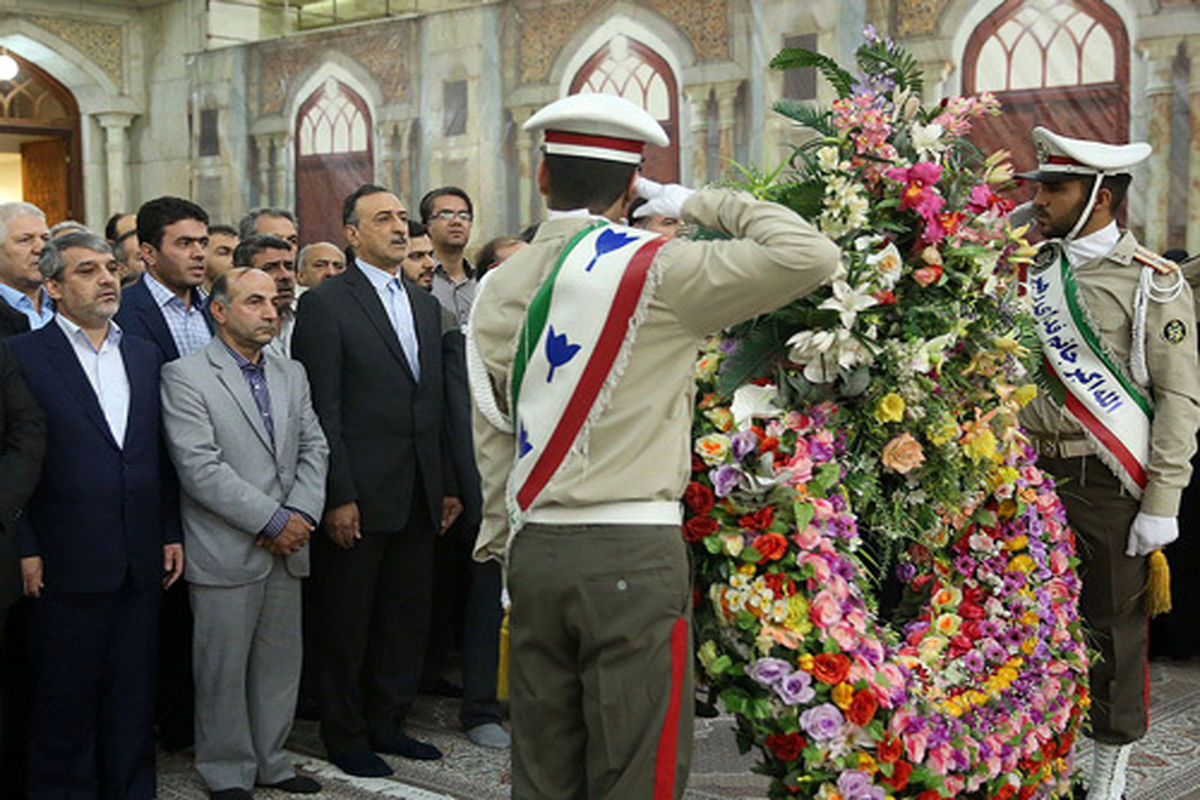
143	391
155	322
362	290
73	377
428	319
231	377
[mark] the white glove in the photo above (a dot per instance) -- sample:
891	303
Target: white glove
665	199
1149	533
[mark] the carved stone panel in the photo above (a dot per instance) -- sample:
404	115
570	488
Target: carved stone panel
102	43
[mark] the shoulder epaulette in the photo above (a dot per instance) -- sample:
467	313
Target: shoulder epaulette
1149	258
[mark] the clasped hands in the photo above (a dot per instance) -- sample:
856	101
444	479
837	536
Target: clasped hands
295	535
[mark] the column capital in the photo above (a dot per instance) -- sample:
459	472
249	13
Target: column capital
726	92
698	92
521	115
114	120
1160	56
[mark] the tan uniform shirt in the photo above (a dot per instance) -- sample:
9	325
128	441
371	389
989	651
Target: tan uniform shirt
639	448
1107	287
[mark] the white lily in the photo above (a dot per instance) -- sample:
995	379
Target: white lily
927	139
849	301
752	402
888	264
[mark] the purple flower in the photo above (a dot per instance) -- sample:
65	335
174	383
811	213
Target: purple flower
854	784
725	479
973	661
796	688
743	443
769	671
819	451
964	564
823	722
905	572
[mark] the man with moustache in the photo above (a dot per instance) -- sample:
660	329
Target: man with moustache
251	459
23	234
218	258
167	308
273	256
447	212
372	345
1122	447
418	263
271	222
100	538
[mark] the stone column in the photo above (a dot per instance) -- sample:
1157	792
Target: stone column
115	125
262	147
383	169
1160	55
698	94
726	95
282	188
935	73
1193	195
526	168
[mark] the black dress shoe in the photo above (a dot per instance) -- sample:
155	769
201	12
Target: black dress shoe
705	710
408	747
361	764
297	784
231	794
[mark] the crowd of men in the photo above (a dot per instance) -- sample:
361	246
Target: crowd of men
179	386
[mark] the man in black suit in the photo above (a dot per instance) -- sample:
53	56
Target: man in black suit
165	307
372	344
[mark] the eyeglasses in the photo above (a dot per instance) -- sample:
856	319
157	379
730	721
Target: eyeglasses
447	215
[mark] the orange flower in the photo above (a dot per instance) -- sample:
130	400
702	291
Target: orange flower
771	547
862	708
831	668
903	454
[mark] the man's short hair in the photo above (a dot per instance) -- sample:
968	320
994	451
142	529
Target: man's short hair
426	206
486	257
589	183
66	226
1118	187
155	215
349	212
255	243
306	252
222	288
110	227
416	229
15	210
51	262
222	228
248	226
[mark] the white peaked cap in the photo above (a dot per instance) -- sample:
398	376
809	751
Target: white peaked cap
601	126
1061	158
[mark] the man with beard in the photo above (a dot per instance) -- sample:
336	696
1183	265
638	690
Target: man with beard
418	264
1118	427
101	537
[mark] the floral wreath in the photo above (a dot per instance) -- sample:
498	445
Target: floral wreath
886	588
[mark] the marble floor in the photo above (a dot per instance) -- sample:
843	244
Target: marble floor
1165	765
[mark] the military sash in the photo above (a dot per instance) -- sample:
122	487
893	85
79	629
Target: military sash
571	350
1114	412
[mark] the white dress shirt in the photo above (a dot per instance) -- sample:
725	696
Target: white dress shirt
105	370
399	310
1094	245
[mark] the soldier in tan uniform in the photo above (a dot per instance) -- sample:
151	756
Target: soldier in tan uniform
600	676
1120	476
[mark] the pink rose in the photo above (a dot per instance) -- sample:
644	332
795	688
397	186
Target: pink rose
927	276
825	610
903	454
820	568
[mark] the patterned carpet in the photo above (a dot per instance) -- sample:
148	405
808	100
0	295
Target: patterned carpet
1165	765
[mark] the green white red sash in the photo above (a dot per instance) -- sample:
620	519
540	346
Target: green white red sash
1114	412
576	335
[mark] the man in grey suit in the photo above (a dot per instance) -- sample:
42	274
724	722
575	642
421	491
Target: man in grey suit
252	461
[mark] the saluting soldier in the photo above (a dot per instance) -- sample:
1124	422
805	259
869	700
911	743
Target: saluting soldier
580	350
1118	424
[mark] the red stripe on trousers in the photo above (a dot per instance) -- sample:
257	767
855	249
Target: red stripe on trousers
668	741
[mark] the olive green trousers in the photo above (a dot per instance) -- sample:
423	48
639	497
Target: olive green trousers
600	677
1100	513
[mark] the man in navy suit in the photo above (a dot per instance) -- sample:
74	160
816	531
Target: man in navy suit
101	537
167	308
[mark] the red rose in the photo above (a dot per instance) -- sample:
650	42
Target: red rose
780	585
885	297
930	794
768	444
758	521
697	528
972	629
899	779
890	749
1005	792
770	547
786	746
698	498
831	668
968	609
1027	791
862	707
698	464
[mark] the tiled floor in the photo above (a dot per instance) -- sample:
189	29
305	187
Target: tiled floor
1165	765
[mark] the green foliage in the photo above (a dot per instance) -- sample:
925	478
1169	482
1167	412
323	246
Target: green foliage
795	57
885	57
808	115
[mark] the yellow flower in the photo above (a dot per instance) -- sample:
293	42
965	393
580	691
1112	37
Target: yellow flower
1022	563
721	418
890	408
946	430
981	446
797	615
746	569
713	448
866	762
733	544
706	367
1029	618
1024	394
842	695
805	662
1016	543
707	653
1028	646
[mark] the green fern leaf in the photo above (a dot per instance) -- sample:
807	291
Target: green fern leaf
807	115
890	59
794	57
